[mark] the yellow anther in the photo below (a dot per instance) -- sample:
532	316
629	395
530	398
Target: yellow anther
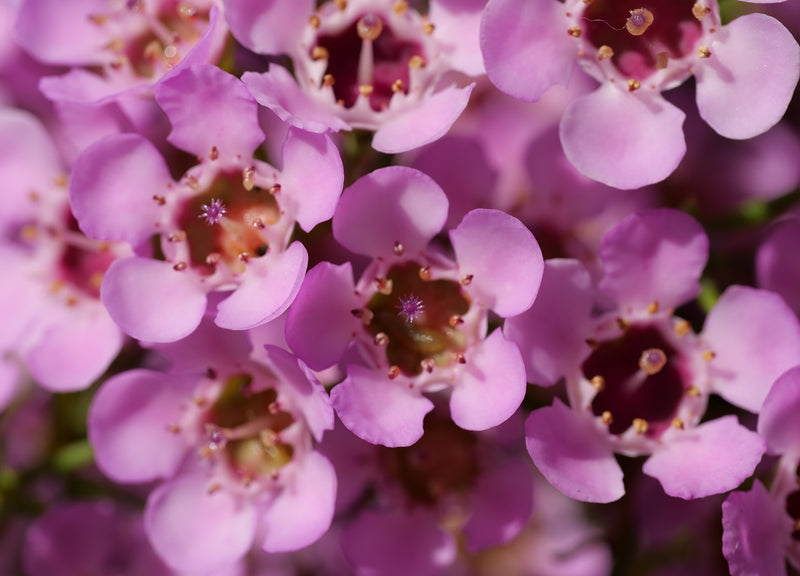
598	382
607	418
633	85
604	52
640	425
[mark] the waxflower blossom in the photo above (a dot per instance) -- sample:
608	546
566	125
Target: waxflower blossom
392	215
761	527
377	65
230	432
54	326
223	227
638	378
746	72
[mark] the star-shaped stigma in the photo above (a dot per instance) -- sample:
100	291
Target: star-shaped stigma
213	211
410	308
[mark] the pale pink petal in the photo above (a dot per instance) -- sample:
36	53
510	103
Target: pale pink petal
266	290
431	119
755	338
379	410
657	255
778	422
573	454
746	84
319	325
608	136
151	301
312	176
507	284
303	511
129	425
755	533
458	31
268	26
526	49
389	205
713	458
551	334
491	386
278	90
771	262
196	530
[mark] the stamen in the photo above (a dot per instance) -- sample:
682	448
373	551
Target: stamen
598	382
607	417
213	212
652	361
640	425
428	365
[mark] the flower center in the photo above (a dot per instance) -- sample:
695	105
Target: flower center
642	35
417	319
640	381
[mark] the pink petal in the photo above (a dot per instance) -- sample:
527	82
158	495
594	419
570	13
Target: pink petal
388	205
525	46
746	84
112	187
458	32
193	530
312	176
278	90
775	251
303	511
229	112
573	454
431	119
755	338
657	255
268	26
319	325
398	543
713	458
754	533
266	290
379	410
490	388
778	422
506	285
75	350
608	136
551	334
129	426
151	301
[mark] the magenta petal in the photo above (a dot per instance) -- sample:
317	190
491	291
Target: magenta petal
379	410
746	84
389	205
268	26
319	324
398	543
112	187
312	176
551	333
771	269
278	90
303	511
500	504
75	351
525	46
713	458
266	290
229	112
196	531
151	301
778	422
129	425
656	255
754	533
755	338
506	285
490	388
573	454
608	136
431	120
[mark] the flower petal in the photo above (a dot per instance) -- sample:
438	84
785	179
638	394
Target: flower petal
746	84
268	26
778	422
608	136
775	251
507	284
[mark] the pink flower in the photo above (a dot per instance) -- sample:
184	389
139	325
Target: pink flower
363	64
626	134
638	378
392	215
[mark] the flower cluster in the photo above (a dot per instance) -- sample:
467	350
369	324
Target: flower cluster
392	287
